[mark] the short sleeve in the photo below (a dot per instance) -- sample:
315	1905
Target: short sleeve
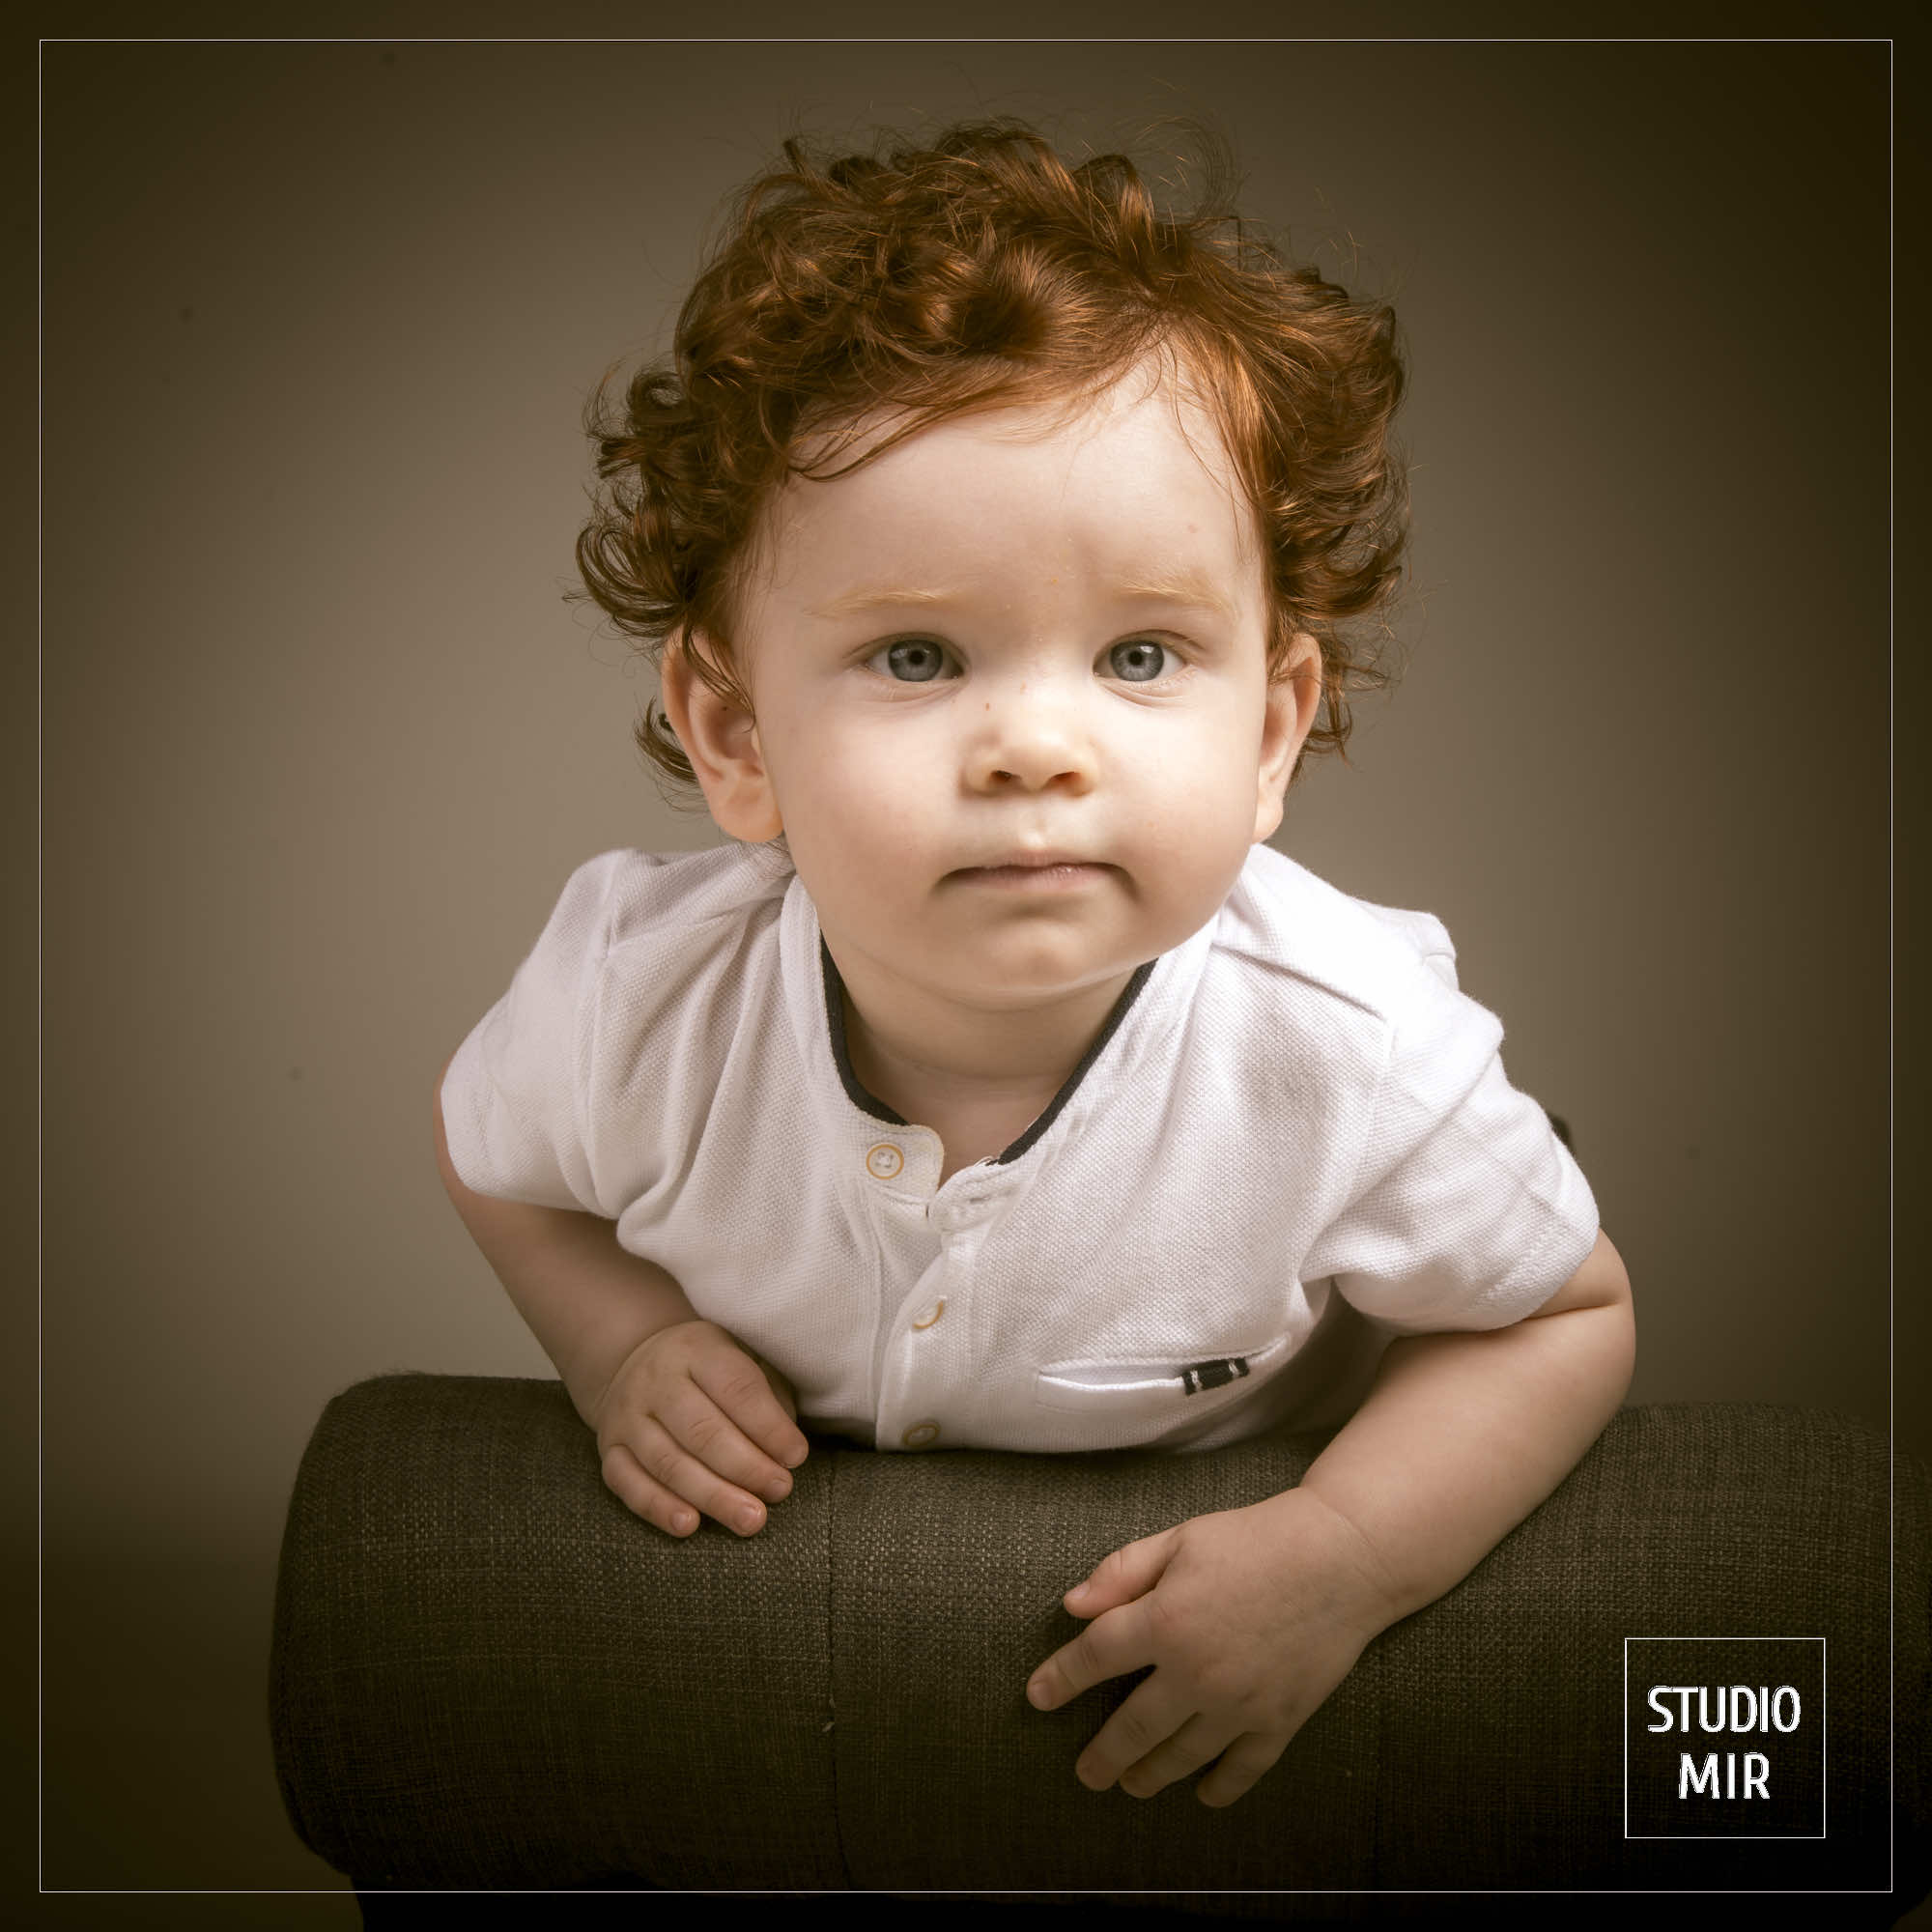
512	1097
1465	1212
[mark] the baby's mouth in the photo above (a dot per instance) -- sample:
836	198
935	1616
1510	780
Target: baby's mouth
1055	876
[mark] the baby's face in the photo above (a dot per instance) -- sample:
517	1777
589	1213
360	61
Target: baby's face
1006	639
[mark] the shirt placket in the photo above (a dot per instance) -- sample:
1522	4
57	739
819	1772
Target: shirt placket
927	1390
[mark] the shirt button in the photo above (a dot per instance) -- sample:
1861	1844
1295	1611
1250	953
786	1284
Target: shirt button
920	1434
939	1309
883	1161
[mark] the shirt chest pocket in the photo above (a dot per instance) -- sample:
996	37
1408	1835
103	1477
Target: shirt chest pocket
1152	1392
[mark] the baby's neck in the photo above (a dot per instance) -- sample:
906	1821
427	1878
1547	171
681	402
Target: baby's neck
975	1071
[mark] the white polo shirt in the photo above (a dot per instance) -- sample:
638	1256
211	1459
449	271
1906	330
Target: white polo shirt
1292	1140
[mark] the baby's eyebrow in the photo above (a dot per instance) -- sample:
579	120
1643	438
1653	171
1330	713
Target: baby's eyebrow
1190	588
876	596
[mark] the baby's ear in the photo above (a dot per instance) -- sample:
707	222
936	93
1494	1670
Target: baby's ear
1292	700
721	739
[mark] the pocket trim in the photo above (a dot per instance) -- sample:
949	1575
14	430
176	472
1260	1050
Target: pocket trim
1143	1386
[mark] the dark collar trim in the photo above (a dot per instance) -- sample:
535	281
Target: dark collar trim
835	1020
869	1103
1129	993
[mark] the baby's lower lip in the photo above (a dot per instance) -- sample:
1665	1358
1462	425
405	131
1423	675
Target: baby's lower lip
1041	878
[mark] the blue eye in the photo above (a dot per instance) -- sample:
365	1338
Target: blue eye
1140	661
919	660
914	659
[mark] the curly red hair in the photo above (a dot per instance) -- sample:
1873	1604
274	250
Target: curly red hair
973	273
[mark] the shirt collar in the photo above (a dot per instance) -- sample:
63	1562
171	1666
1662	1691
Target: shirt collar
869	1103
1155	1003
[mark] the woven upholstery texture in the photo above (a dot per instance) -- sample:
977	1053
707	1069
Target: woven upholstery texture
487	1673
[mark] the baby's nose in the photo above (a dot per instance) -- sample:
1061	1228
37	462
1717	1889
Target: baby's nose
1037	771
1032	739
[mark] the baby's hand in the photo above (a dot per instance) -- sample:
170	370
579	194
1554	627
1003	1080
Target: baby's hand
693	1421
1250	1617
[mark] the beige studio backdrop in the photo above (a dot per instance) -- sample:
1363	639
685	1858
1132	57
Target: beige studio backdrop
322	739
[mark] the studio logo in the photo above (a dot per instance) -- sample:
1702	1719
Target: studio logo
1725	1737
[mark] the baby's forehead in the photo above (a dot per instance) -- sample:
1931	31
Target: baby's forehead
915	468
920	554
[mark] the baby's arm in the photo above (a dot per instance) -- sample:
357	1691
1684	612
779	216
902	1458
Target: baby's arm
1464	1433
1253	1616
686	1417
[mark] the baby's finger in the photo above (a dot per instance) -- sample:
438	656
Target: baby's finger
1122	1575
1115	1642
737	1383
694	1479
643	1495
780	1386
1144	1725
707	1433
1242	1763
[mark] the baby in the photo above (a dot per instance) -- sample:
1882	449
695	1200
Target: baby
998	1088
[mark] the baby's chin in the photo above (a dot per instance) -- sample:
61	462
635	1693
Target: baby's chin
990	964
1029	967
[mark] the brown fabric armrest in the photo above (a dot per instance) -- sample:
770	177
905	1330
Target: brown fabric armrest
487	1673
